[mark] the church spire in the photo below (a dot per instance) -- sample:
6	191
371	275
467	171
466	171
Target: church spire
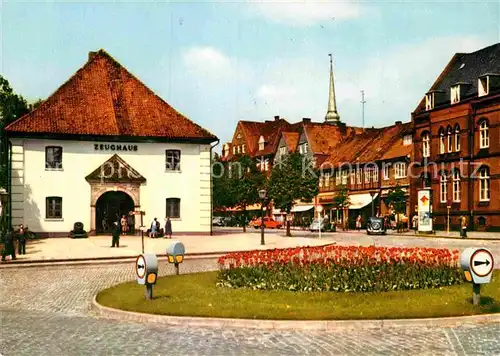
332	114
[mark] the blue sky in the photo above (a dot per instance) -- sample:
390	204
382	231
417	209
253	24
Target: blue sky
220	62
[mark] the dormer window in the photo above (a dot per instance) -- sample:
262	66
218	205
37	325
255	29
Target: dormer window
455	94
407	140
303	148
283	151
483	85
429	101
262	143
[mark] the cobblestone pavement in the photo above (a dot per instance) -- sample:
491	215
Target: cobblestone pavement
45	311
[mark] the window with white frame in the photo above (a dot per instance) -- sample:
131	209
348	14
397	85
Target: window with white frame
262	143
429	101
375	174
358	176
426	180
320	181
283	151
449	137
407	140
344	177
238	149
484	184
367	175
386	171
400	170
441	141
327	179
53	157
457	138
173	160
484	135
243	148
443	191
353	177
483	86
455	94
173	208
303	148
456	186
426	144
53	208
338	178
234	150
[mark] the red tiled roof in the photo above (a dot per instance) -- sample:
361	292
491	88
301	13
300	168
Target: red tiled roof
291	139
371	145
323	137
104	99
270	130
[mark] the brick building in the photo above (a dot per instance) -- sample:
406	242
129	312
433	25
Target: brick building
457	141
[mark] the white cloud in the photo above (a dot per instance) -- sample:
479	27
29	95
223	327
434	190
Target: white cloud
208	63
303	12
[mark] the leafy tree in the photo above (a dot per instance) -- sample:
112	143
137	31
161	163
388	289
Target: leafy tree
221	188
341	201
245	180
292	179
397	199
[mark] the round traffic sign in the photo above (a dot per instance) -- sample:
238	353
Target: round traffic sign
140	266
319	208
481	263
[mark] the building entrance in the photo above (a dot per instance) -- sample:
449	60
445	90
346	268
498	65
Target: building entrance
110	207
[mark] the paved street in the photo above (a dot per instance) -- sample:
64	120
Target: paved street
45	311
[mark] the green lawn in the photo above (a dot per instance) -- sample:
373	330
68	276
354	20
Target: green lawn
197	295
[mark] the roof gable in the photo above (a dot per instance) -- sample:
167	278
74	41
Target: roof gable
115	170
103	99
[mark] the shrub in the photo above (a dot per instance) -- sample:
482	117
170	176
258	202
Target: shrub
340	268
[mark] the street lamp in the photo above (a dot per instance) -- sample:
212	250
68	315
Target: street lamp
372	193
262	196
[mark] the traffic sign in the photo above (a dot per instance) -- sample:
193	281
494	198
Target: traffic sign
140	266
481	263
319	208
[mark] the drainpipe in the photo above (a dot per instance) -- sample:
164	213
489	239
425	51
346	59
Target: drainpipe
211	192
470	181
9	183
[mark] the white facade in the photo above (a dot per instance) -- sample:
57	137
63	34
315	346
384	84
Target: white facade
32	183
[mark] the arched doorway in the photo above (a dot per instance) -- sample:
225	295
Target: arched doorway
110	207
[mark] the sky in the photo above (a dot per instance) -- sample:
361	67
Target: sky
218	62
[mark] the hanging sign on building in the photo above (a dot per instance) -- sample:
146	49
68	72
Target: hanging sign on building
115	147
424	211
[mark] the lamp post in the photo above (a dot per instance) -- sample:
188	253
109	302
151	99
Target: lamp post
448	208
262	196
372	193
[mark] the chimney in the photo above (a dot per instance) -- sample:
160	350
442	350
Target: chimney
92	55
306	120
399	122
276	117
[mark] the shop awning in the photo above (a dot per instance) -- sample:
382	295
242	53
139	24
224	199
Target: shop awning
301	208
359	201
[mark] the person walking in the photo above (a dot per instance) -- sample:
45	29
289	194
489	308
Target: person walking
154	228
463	226
21	240
415	223
9	249
116	235
358	223
124	224
168	228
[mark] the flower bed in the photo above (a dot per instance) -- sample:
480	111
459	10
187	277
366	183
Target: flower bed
340	268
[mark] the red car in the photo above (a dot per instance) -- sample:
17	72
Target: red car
269	223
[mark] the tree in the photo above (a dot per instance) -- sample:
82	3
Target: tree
221	188
245	180
341	202
397	199
292	179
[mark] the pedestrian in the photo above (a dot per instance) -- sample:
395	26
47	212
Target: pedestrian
21	240
131	222
415	223
358	222
116	235
104	223
154	228
463	226
124	224
168	228
9	249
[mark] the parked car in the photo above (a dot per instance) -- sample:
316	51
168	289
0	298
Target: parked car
325	224
376	226
218	221
269	223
